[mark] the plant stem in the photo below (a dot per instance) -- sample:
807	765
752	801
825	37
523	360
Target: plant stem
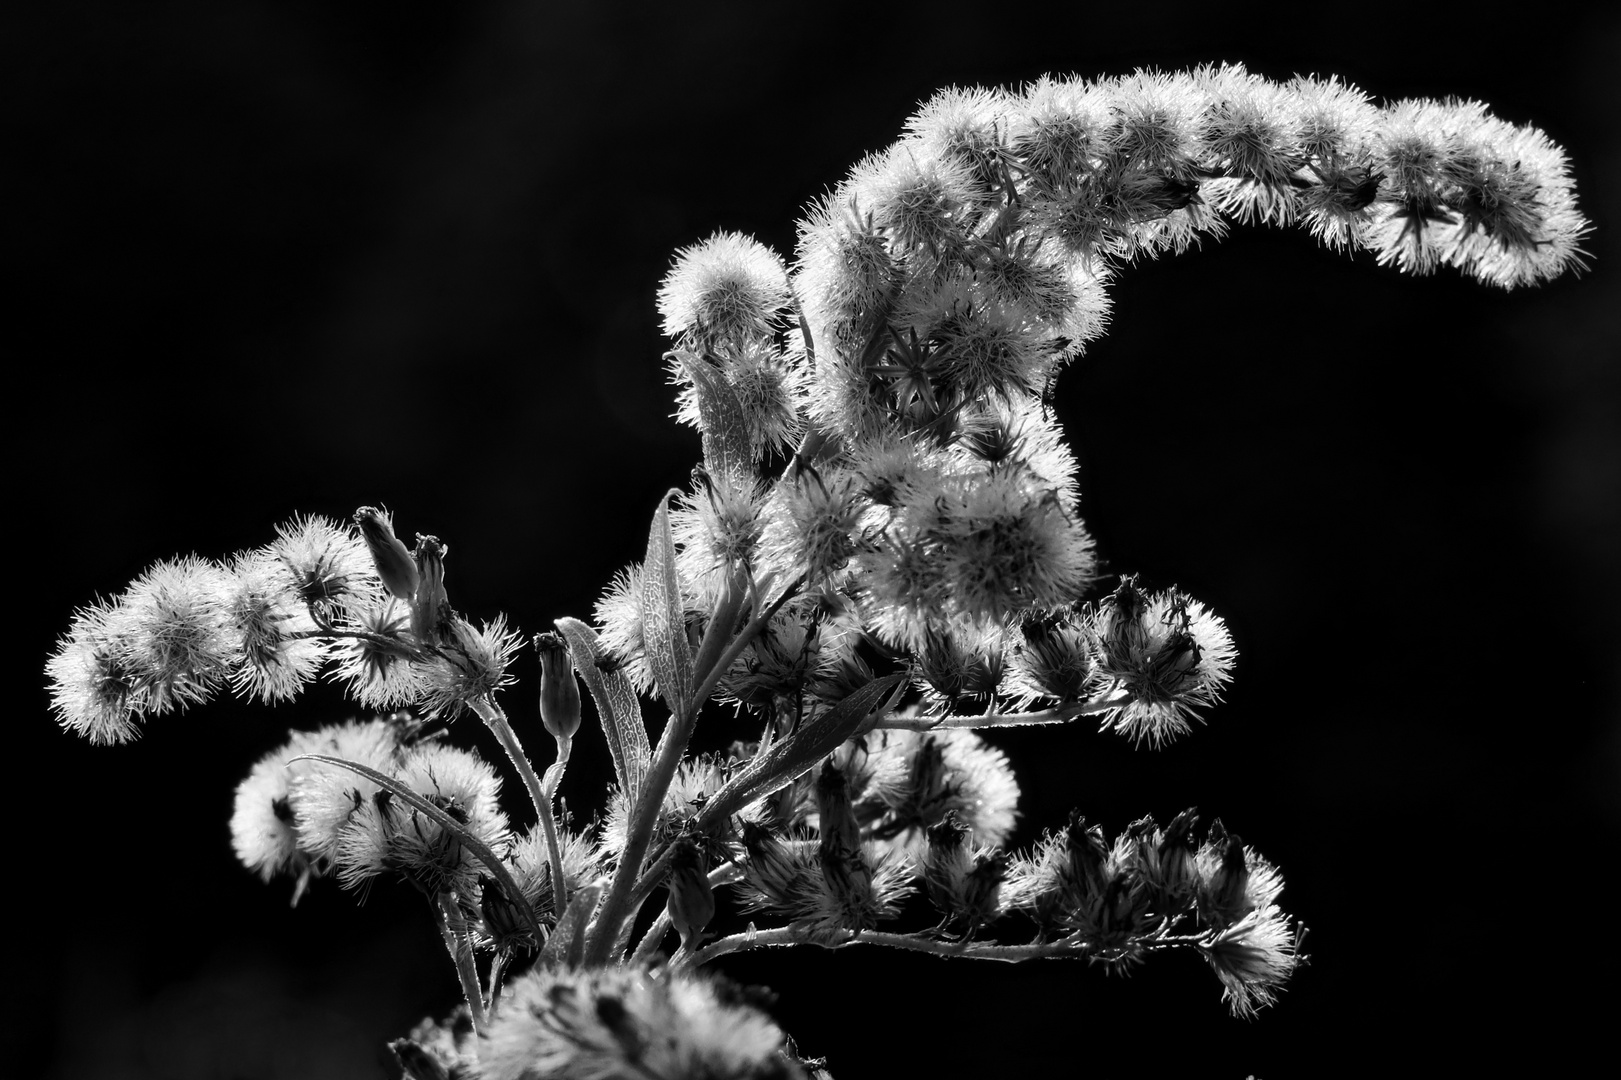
496	721
461	955
498	969
628	878
979	950
741	642
1057	715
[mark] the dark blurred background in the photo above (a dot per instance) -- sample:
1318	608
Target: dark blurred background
277	258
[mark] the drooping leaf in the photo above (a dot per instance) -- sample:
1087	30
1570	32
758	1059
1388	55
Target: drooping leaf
480	850
617	707
664	629
775	768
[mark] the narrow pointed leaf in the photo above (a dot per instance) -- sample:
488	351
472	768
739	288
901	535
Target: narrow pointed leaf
775	768
618	709
664	628
480	850
566	946
718	634
720	415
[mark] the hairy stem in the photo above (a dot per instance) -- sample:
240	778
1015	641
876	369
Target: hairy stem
498	970
628	878
454	931
496	721
979	950
1057	715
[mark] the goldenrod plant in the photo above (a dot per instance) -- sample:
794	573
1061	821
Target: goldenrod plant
880	556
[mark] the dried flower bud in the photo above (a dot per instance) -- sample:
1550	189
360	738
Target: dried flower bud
559	689
426	605
1121	623
1052	657
1178	873
692	899
845	872
394	563
1088	858
946	863
503	920
1225	899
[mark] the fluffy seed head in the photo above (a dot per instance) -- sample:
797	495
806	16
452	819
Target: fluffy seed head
727	292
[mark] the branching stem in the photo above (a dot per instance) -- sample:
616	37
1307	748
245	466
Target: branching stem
630	886
979	950
496	721
1057	715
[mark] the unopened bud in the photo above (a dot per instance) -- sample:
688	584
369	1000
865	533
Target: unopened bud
844	870
430	592
692	899
981	890
836	817
503	922
1177	872
559	689
394	563
1122	625
945	863
1088	857
1055	654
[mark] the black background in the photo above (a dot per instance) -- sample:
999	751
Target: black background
278	258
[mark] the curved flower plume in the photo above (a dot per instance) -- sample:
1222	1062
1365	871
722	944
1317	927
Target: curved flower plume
881	551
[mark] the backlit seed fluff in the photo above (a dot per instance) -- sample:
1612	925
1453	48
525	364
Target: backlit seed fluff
619	622
1166	656
927	201
380	664
279	655
1254	958
624	1022
176	633
325	797
727	292
264	822
386	834
95	691
970	124
329	565
812	521
472	664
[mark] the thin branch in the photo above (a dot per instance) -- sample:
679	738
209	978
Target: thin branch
1058	715
627	880
496	720
498	969
978	950
461	955
741	642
